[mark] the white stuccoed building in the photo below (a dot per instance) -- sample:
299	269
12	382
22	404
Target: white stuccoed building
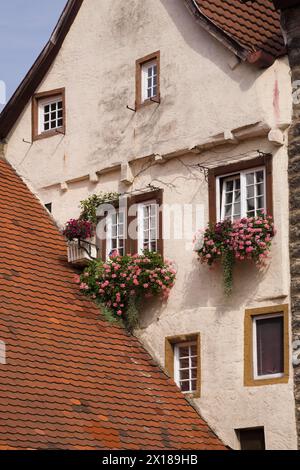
171	93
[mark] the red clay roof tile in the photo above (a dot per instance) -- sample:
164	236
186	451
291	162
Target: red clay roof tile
255	26
72	380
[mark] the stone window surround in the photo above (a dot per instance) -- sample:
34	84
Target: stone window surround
37	97
170	342
222	171
139	101
249	380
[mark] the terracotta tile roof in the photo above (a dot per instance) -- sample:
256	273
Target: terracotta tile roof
256	26
72	380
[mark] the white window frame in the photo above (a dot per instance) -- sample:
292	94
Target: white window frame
242	174
41	113
254	348
141	224
109	232
144	81
177	380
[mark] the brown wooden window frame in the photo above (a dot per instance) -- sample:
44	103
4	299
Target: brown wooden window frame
139	102
170	343
223	171
250	314
131	245
37	97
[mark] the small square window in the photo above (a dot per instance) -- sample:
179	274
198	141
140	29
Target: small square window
48	111
251	438
148	80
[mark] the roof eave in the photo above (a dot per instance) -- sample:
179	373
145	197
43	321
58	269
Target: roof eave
38	71
258	58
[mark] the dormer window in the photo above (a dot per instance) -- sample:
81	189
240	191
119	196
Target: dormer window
148	80
48	114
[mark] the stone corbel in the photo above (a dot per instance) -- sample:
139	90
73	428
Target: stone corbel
159	158
93	177
126	174
276	136
64	187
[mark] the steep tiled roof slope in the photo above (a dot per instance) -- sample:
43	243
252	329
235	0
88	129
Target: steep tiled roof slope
72	380
256	26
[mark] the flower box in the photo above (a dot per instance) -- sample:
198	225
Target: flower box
81	252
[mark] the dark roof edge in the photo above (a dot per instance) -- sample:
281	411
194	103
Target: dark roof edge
258	58
38	71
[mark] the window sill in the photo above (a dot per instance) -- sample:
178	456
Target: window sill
260	382
155	100
45	135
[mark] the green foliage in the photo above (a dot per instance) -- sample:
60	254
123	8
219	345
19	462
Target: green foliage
122	282
132	315
90	205
228	263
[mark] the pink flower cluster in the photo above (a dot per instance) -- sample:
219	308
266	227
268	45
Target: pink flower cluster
122	278
248	238
78	229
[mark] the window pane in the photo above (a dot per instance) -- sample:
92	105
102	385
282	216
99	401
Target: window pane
228	211
184	363
229	186
47	108
250	191
229	197
237	210
250	178
184	351
250	205
270	348
184	374
259	176
237	196
260	189
185	386
260	201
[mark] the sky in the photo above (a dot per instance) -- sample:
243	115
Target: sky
25	27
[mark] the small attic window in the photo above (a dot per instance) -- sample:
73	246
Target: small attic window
48	114
148	80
